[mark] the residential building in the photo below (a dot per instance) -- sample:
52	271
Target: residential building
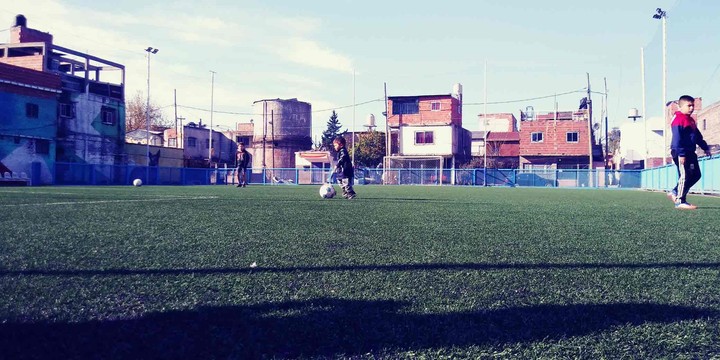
315	166
503	140
90	115
708	121
429	125
140	136
196	138
559	140
641	144
28	122
498	122
503	149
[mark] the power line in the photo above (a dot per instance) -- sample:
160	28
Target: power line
523	100
260	114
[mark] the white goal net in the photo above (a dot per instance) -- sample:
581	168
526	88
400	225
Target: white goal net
413	170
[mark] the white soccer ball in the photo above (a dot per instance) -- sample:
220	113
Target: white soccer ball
327	191
137	182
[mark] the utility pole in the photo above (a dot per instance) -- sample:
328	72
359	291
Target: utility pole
387	129
176	117
606	119
590	142
210	143
353	121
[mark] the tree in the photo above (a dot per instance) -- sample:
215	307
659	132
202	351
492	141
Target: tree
136	117
332	131
370	149
613	140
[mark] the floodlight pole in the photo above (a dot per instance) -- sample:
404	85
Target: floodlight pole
212	102
149	51
353	122
485	142
662	16
644	113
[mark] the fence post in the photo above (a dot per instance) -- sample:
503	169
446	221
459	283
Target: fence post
91	169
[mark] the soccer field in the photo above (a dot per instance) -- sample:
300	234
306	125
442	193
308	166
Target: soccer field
400	272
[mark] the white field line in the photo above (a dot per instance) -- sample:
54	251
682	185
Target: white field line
112	201
77	193
37	192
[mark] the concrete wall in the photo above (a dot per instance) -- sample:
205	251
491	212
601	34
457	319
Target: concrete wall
169	157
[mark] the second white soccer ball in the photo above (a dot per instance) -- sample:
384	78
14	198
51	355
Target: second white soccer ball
137	182
327	191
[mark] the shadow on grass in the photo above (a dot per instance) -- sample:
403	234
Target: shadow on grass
398	267
321	327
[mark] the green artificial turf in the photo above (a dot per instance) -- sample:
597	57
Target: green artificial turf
400	272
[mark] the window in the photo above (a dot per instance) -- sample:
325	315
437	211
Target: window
572	137
42	146
245	140
423	137
207	143
32	110
67	110
405	107
536	137
172	142
108	115
191	142
435	106
704	124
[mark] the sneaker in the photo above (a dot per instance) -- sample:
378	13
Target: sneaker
238	185
672	196
351	196
685	206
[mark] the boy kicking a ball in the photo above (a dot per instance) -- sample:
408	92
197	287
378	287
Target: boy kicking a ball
685	138
344	168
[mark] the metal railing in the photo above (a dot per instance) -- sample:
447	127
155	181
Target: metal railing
661	178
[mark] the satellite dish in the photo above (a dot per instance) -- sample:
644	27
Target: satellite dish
596	126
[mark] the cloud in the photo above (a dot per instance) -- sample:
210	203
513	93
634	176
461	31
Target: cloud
308	52
299	80
297	25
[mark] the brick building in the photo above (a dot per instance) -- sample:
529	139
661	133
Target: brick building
708	121
559	140
429	125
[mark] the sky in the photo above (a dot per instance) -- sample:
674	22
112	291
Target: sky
337	55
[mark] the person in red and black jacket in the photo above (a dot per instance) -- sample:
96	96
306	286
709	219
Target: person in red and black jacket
685	139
